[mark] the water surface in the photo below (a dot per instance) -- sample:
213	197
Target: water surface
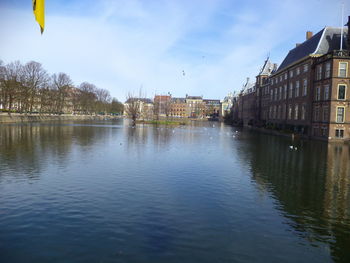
108	192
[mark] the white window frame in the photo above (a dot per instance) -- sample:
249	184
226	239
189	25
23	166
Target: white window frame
336	114
344	92
346	69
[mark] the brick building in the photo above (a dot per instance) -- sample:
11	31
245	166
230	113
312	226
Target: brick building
178	107
308	93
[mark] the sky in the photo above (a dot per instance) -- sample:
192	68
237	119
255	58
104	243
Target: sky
198	47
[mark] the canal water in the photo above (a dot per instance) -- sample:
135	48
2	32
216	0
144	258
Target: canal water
109	192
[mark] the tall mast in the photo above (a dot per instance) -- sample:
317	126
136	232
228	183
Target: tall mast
342	28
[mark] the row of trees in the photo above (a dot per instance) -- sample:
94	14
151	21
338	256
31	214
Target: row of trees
29	88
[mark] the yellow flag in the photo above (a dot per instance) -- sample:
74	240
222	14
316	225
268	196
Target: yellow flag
39	13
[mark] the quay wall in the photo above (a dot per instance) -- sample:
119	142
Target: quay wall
23	118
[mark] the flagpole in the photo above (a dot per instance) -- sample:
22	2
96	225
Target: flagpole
342	27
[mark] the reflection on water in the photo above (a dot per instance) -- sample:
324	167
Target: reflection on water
111	192
311	184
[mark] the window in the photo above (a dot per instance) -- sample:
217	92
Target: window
303	112
328	70
274	111
297	85
296	112
280	93
306	67
343	66
270	112
323	131
319	72
290	112
316	113
304	87
271	93
326	92
325	114
291	74
341	91
285	76
298	70
284	111
339	133
276	91
290	90
318	93
340	114
279	112
280	77
285	91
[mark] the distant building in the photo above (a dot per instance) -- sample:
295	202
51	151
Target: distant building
145	107
195	106
212	107
162	105
178	107
226	104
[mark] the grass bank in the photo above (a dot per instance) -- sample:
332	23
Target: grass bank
164	122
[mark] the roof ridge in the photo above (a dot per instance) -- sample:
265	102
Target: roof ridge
321	38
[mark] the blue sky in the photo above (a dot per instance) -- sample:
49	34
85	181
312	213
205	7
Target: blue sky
123	45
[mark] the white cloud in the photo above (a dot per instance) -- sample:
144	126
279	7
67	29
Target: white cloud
130	43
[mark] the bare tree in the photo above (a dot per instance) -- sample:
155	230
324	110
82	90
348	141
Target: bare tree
63	85
87	97
35	78
29	88
103	100
133	106
10	84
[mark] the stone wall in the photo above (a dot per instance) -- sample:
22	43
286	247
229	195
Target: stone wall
19	118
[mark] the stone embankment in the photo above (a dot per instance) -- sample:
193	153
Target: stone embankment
22	118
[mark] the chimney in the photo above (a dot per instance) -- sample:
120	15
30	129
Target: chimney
309	35
297	44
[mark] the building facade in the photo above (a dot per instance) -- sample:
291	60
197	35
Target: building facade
308	93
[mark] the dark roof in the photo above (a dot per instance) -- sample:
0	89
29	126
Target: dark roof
213	101
194	97
178	100
325	41
145	100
